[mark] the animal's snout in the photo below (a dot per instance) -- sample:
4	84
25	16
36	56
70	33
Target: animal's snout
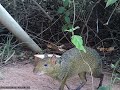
38	73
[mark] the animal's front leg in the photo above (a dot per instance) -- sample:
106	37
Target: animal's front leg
67	87
63	83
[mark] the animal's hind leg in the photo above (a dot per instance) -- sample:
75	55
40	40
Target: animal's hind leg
99	75
83	79
101	80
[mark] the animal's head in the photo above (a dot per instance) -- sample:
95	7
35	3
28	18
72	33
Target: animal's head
46	65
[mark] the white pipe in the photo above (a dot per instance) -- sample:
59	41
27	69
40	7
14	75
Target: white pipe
7	20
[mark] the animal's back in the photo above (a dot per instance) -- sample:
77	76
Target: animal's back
74	61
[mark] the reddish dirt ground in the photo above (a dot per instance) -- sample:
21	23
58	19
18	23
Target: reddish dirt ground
20	75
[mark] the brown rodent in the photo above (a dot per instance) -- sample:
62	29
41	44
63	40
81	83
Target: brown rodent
72	62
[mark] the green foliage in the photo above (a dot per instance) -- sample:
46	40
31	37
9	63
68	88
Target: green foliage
115	75
6	50
116	71
110	2
113	78
67	19
66	3
118	78
64	27
67	13
71	29
113	66
61	10
78	42
75	39
116	67
104	88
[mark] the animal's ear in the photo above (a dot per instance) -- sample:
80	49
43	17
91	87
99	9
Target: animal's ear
45	55
37	59
53	59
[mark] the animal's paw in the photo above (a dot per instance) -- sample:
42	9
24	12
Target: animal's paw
61	88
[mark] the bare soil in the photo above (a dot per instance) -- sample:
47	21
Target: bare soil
22	76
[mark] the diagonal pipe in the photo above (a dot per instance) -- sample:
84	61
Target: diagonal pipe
7	20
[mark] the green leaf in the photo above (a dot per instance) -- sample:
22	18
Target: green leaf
65	3
61	10
106	1
113	66
118	78
78	42
70	25
110	2
64	27
104	88
67	19
67	13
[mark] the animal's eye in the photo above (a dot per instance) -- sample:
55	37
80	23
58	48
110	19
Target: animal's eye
45	65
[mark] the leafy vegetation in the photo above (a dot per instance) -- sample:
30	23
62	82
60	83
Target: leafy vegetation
75	39
83	22
6	50
110	2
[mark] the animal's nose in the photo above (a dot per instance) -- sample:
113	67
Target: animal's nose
38	73
35	71
41	73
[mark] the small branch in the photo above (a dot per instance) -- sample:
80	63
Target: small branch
112	13
10	57
42	10
86	22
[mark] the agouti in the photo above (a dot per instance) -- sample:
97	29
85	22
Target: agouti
72	62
